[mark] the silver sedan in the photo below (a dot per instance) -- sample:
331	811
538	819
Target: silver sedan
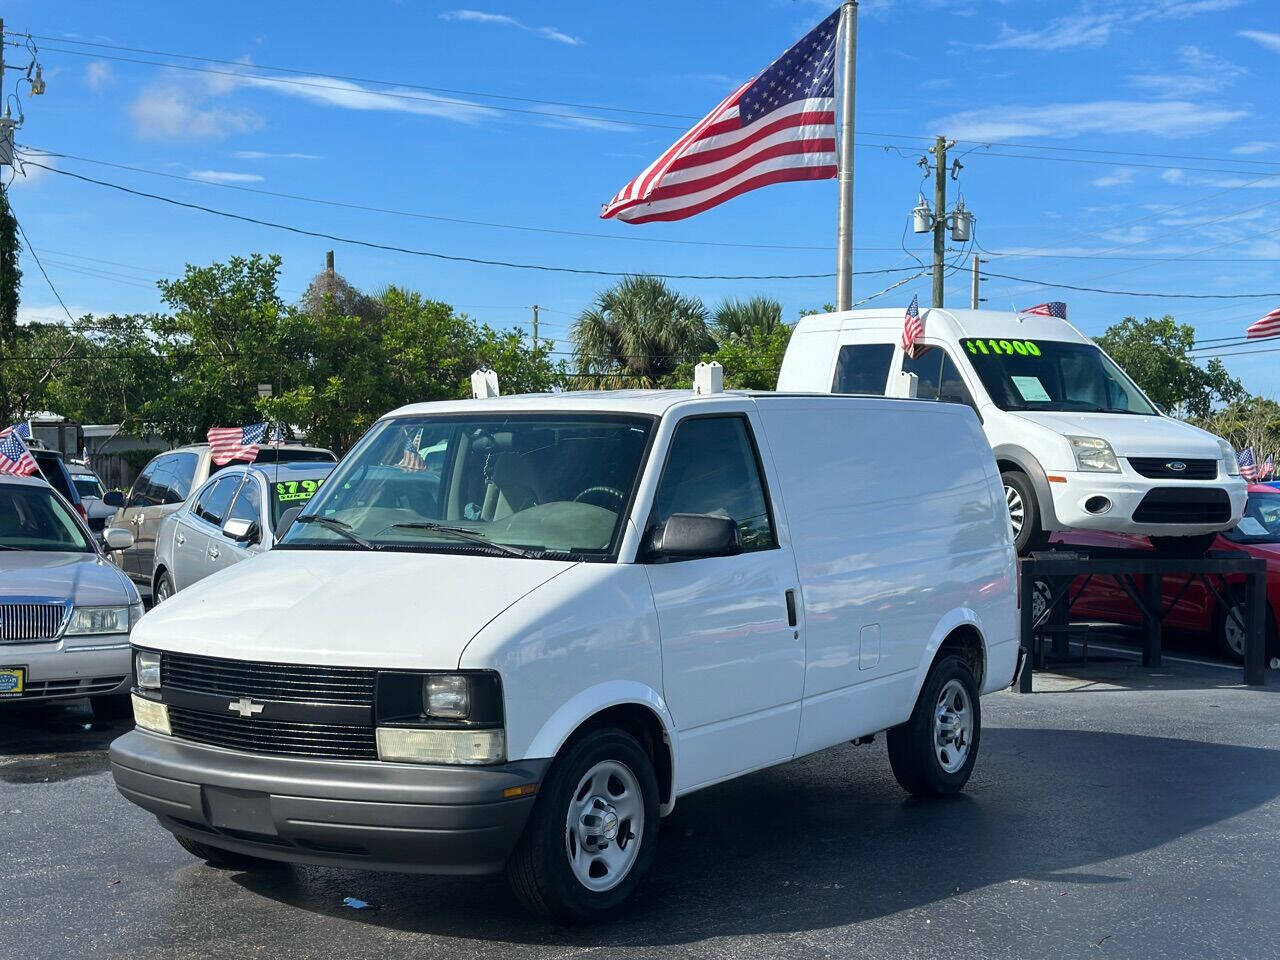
231	517
65	611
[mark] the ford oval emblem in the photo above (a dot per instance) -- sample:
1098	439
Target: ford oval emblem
1177	466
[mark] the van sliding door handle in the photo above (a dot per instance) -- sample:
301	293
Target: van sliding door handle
791	608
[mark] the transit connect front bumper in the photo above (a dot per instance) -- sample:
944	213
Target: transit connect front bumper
368	814
1146	507
70	667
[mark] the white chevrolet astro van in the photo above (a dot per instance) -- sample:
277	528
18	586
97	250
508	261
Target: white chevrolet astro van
1078	444
511	632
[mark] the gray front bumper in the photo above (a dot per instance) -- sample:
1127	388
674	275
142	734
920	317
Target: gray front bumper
377	816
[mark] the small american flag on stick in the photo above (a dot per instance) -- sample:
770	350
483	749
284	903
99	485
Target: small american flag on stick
1054	308
1268	326
779	126
912	328
15	458
1248	465
236	443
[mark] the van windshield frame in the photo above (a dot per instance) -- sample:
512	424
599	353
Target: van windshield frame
548	485
1053	376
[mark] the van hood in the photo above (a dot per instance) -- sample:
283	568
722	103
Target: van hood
84	578
344	608
1130	435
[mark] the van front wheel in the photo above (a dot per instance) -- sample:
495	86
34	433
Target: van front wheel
592	833
1024	512
933	753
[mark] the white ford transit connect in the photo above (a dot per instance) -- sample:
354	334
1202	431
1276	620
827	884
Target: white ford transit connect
1078	444
513	631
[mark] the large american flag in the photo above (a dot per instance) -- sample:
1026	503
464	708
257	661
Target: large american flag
1054	308
1268	326
912	328
236	443
15	458
780	126
1248	465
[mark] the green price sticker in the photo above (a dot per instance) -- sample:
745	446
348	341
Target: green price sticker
295	490
989	347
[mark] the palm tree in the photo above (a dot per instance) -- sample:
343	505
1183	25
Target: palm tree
638	332
739	317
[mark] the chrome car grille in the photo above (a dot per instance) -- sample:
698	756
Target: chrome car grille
32	620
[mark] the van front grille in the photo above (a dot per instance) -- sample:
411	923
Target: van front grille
1165	468
30	620
353	686
1183	505
278	737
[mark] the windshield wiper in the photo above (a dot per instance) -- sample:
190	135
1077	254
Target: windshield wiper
462	533
337	526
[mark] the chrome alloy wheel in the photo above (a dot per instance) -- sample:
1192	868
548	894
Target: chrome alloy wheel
1234	634
604	826
952	726
1017	509
162	591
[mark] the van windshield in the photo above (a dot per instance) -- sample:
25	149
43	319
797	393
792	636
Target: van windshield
519	485
1053	376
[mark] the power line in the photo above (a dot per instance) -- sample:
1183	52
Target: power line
443	256
1134	293
27	243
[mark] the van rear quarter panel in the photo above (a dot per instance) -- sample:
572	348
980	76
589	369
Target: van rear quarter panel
897	521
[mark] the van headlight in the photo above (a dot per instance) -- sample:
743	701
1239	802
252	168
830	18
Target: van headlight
454	717
1229	461
86	621
1094	455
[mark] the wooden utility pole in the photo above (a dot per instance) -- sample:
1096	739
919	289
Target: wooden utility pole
328	264
939	151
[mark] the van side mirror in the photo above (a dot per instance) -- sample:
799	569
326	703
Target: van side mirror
687	536
117	538
242	531
286	521
113	498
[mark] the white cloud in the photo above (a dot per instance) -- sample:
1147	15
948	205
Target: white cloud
1270	41
264	155
1256	146
1090	27
1202	72
502	20
98	74
352	96
177	112
225	176
1166	118
1120	177
1193	179
50	313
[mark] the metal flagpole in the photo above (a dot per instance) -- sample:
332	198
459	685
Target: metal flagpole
844	233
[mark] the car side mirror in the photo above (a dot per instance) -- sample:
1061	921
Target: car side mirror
117	538
113	498
286	521
687	536
242	531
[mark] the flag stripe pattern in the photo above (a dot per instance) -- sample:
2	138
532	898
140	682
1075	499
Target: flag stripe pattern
236	443
1054	308
780	126
1268	326
912	328
15	458
1248	465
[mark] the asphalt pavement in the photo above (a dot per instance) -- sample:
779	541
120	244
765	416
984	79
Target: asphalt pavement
1116	812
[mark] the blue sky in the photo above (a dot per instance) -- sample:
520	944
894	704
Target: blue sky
1158	79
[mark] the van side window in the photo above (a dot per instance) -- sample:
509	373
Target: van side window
178	486
862	368
713	469
139	493
213	503
939	378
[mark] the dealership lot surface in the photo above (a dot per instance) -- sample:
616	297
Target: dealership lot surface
1118	812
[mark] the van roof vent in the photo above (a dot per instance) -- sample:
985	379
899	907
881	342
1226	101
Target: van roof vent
708	378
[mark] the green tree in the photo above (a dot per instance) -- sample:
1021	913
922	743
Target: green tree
751	361
738	317
10	283
1248	422
1157	354
638	332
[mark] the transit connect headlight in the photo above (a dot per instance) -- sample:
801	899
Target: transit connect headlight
146	669
1229	462
1094	455
93	620
151	715
462	745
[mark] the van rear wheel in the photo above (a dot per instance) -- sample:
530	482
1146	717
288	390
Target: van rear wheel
592	833
933	753
1024	512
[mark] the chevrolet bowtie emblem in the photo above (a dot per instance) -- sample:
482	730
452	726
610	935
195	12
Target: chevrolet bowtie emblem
245	707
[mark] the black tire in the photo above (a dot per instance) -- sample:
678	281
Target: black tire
1195	546
1222	639
539	869
912	754
116	706
222	859
163	585
1018	490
